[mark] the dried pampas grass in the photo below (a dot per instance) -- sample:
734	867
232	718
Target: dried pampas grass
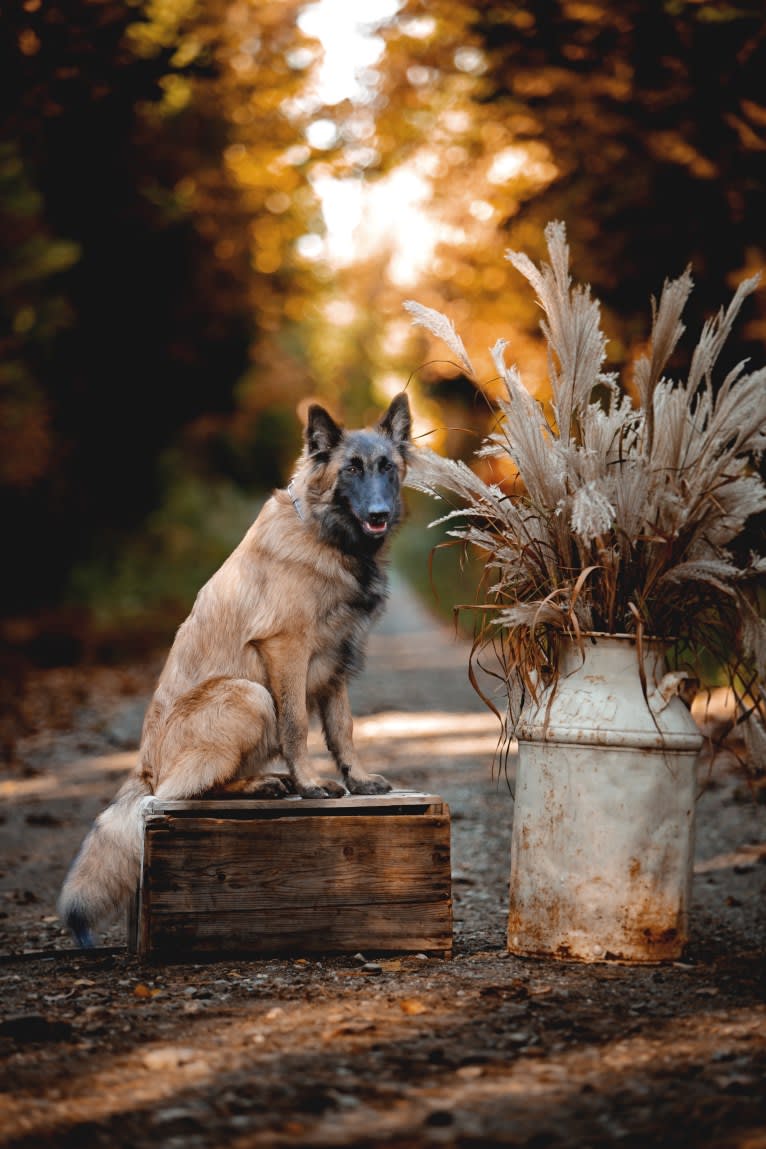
627	514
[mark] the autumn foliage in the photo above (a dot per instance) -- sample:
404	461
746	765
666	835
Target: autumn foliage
170	292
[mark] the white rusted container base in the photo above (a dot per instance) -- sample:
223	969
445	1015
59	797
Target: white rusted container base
603	832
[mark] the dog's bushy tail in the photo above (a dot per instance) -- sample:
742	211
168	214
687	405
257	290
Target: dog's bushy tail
106	870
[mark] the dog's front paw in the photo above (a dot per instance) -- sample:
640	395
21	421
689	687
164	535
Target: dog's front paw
327	789
368	784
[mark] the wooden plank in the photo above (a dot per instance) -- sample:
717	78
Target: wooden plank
397	801
265	866
414	928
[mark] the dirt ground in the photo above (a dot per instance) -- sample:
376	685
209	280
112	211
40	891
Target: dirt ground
98	1049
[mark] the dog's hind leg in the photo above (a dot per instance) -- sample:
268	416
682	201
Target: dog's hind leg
267	786
207	734
255	782
196	744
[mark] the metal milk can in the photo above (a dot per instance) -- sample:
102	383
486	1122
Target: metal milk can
602	845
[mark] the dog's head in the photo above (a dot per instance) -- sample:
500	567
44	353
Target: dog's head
353	479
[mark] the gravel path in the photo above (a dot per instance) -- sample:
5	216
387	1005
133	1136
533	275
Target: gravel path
485	1049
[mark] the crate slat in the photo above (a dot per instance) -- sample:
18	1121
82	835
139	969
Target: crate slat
413	928
313	862
397	801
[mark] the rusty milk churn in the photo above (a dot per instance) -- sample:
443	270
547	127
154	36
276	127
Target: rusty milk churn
603	829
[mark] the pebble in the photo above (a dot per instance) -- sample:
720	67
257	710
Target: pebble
169	1057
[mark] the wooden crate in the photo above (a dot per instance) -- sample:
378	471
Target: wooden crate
294	876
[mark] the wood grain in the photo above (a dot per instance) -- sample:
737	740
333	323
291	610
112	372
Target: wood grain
214	881
413	928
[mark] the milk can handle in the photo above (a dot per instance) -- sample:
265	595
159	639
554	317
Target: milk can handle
668	687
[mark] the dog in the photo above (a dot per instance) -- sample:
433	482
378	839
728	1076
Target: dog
272	638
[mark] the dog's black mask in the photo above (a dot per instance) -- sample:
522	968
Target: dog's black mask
366	503
368	486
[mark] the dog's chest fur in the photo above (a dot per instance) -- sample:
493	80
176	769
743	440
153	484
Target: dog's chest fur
320	601
340	629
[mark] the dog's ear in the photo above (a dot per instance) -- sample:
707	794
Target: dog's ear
322	432
396	422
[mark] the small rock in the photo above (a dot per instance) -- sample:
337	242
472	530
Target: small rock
169	1057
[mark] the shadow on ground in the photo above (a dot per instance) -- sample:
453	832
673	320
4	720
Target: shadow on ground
368	1050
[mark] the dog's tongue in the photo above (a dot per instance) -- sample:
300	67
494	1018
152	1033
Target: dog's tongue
376	528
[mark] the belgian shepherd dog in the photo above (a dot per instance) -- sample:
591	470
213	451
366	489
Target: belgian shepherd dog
272	637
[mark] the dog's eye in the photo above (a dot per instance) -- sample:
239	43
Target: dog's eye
353	468
385	465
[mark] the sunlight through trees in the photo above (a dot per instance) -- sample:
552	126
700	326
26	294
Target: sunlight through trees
212	212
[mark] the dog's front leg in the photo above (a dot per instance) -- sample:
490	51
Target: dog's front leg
288	669
338	726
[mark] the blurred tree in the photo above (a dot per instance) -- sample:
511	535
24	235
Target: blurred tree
168	293
656	116
132	352
642	125
148	205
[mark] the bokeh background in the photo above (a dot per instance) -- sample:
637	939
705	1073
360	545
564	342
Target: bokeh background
212	212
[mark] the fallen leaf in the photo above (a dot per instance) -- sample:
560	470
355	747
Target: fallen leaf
411	1006
349	1029
293	1128
142	990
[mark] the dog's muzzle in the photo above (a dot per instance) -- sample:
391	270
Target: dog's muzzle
376	523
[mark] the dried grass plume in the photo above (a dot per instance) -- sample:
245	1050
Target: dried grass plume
630	518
